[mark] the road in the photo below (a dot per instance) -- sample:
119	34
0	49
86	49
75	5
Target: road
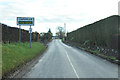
63	61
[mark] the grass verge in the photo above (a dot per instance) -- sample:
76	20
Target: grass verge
15	54
97	52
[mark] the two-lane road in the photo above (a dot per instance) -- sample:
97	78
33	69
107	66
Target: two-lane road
63	61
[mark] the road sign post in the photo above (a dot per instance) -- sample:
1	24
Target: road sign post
19	33
25	21
30	35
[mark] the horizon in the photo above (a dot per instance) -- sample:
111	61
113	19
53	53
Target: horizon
63	26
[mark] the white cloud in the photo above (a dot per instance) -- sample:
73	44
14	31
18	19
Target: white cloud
53	13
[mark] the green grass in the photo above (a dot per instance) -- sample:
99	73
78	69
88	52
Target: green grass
112	57
15	54
93	51
98	53
104	56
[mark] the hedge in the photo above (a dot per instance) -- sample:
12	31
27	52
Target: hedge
11	34
103	33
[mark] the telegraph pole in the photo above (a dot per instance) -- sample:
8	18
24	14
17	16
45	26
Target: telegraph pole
65	28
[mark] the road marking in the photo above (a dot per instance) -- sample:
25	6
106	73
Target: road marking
65	44
72	65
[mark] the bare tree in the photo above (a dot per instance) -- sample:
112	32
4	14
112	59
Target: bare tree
60	32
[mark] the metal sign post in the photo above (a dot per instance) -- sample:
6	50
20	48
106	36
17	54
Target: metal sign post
19	33
30	35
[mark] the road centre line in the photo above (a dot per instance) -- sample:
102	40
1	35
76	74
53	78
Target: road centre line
72	65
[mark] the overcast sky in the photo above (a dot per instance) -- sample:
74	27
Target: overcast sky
53	13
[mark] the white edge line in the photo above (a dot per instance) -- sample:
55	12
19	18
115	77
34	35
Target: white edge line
65	45
72	65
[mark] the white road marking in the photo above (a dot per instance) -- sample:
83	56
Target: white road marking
65	45
72	65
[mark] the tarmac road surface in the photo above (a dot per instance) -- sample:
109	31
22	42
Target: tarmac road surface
63	61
